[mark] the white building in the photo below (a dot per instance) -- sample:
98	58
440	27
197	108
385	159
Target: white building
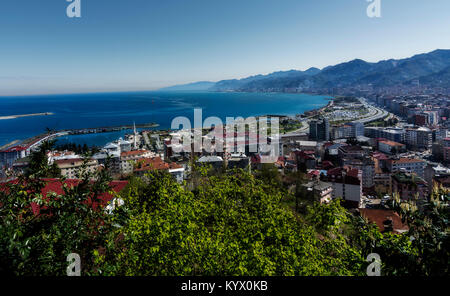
129	158
71	168
408	165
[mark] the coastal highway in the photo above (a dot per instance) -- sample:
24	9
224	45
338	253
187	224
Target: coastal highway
373	115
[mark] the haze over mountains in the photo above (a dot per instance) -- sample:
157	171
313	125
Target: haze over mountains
429	69
201	85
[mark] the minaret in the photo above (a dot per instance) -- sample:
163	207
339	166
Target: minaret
135	135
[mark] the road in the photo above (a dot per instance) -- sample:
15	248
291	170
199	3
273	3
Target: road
373	115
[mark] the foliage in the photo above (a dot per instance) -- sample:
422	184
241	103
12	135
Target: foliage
429	231
228	225
421	251
233	223
38	244
270	175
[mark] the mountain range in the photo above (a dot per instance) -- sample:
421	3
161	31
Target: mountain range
429	69
201	85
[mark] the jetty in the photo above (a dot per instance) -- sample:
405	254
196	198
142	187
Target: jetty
108	129
25	115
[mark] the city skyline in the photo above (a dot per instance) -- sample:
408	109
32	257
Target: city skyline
149	45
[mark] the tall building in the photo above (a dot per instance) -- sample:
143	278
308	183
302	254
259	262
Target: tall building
419	138
366	165
433	117
341	132
347	184
319	130
357	129
390	133
348	130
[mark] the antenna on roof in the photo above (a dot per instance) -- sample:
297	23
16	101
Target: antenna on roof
135	134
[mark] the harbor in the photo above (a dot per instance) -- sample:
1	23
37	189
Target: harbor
34	142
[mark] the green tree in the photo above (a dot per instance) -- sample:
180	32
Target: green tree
38	244
421	251
233	224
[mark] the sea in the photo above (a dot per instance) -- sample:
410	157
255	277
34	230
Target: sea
76	111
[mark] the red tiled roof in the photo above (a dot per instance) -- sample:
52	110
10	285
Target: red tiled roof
56	186
351	173
156	163
14	149
379	217
391	143
405	160
136	152
70	160
334	171
305	154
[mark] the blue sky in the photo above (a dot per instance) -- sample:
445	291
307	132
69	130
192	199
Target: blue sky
121	45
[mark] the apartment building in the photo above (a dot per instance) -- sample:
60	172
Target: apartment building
347	184
128	159
409	185
419	138
391	147
70	168
409	165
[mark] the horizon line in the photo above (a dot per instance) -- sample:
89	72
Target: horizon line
82	92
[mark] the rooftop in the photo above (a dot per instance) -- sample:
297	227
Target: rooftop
402	177
135	152
156	163
382	218
391	143
405	160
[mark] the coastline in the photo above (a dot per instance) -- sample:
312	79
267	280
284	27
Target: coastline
163	126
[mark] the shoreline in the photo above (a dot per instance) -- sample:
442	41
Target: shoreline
77	132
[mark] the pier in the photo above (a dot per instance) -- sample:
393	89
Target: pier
25	115
107	129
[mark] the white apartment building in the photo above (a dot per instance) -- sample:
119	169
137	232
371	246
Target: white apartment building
415	166
71	167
